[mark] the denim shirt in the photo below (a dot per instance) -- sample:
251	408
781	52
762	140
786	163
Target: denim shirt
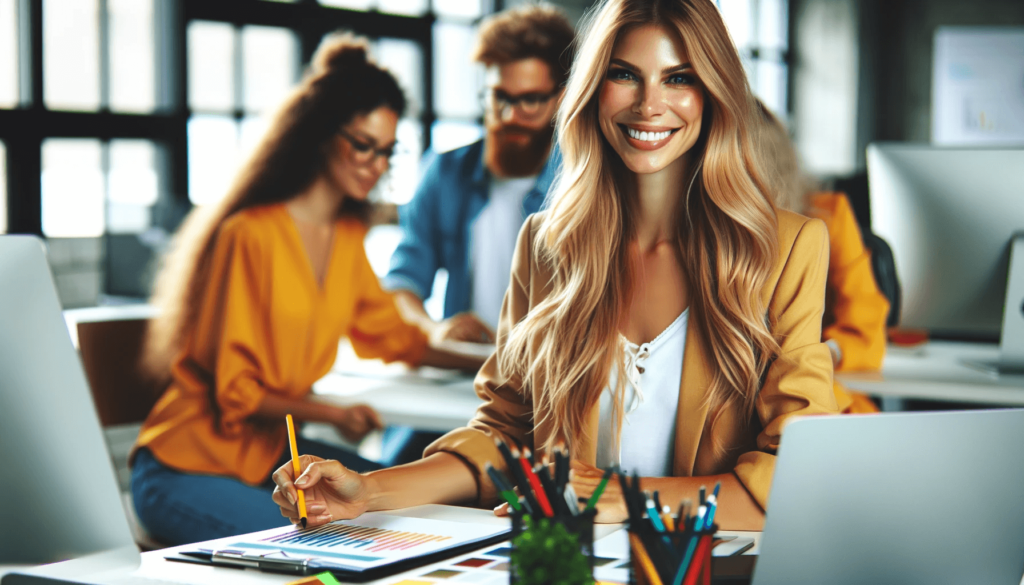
437	223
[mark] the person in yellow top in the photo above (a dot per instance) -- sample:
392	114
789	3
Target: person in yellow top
662	314
256	295
855	308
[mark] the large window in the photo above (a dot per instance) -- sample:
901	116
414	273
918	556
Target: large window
457	81
90	188
117	116
236	76
8	53
73	187
760	29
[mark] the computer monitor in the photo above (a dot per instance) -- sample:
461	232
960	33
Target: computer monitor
949	215
60	498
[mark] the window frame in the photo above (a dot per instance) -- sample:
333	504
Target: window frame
24	128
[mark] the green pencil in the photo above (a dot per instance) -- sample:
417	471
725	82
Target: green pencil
512	500
600	489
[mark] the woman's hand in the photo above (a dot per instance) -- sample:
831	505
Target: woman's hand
332	491
462	327
355	422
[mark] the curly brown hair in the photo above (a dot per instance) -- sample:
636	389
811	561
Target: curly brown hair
533	31
342	83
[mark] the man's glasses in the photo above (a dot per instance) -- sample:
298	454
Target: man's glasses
530	105
365	153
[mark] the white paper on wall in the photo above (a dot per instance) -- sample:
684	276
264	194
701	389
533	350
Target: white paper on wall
978	86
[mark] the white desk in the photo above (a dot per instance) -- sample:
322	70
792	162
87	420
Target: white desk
126	567
426	399
936	371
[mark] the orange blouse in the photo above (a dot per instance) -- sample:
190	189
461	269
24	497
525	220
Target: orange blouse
855	309
266	326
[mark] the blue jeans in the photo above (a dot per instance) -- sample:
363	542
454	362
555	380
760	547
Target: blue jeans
177	507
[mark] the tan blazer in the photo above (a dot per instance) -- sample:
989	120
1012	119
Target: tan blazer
799	382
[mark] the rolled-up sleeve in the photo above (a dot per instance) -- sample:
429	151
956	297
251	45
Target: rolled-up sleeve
232	310
799	381
377	329
416	259
506	411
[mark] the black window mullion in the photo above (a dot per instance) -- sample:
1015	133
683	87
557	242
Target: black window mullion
24	142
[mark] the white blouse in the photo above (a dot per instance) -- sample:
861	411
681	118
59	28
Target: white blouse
654	373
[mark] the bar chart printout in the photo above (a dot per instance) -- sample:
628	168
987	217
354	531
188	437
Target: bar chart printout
370	540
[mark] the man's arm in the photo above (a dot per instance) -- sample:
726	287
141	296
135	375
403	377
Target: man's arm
461	327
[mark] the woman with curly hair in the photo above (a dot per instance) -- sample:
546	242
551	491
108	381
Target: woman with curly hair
254	297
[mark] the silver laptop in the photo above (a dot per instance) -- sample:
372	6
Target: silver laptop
60	499
911	498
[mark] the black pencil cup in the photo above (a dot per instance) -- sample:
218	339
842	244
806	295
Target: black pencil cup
552	550
664	552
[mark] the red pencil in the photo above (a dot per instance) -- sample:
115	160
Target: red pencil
538	490
699	558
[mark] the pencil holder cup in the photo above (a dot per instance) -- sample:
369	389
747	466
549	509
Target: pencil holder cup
664	555
552	550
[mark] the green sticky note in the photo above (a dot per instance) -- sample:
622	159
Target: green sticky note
327	578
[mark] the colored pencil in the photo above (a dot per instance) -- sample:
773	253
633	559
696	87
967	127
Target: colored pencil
538	490
646	564
296	468
594	497
506	491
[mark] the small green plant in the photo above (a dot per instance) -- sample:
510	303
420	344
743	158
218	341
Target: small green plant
547	553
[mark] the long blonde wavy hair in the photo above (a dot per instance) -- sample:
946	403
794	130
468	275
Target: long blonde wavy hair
565	348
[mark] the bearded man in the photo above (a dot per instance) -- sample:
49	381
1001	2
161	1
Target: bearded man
471	202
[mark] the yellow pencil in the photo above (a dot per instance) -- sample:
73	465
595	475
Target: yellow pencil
296	467
645	561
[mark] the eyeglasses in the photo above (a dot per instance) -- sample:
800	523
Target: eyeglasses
365	153
530	105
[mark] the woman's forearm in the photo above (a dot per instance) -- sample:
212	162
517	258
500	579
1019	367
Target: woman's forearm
440	358
275	407
441	478
736	510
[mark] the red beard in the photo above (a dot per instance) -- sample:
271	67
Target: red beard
505	153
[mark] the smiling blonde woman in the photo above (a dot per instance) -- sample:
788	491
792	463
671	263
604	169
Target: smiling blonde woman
662	314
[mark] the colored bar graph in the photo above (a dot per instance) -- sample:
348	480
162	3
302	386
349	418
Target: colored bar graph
342	536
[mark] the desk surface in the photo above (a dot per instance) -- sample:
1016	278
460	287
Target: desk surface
125	567
940	370
427	399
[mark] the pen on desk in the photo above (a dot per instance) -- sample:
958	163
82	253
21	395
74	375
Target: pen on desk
296	468
703	496
594	497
